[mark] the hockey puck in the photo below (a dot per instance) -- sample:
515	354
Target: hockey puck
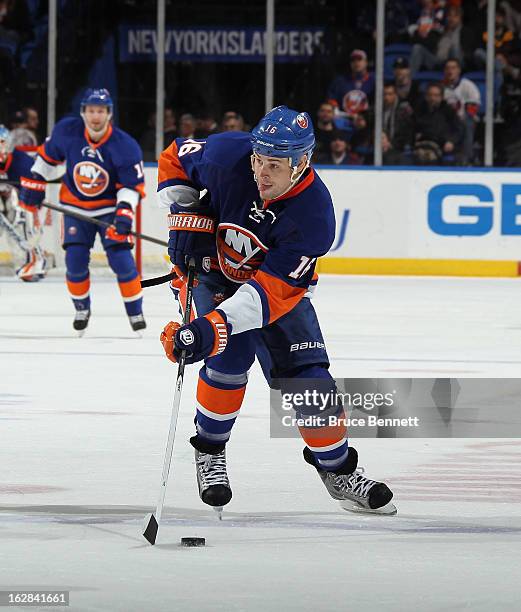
193	542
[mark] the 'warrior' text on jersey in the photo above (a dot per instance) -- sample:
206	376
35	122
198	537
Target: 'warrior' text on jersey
98	174
267	249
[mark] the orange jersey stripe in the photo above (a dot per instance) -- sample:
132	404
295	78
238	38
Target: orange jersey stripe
95	145
140	188
220	401
47	158
282	297
67	197
130	288
169	166
80	288
320	437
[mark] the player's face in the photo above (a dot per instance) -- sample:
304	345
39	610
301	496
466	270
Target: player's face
97	119
273	175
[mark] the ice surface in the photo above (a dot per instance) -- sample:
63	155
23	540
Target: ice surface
84	426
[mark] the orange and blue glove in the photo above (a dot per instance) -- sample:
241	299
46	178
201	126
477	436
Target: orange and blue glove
122	224
203	337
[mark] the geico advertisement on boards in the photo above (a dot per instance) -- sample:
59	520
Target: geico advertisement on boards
426	214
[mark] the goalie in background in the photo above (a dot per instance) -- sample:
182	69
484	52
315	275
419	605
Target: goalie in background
21	224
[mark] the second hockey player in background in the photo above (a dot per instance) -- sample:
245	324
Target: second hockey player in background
104	180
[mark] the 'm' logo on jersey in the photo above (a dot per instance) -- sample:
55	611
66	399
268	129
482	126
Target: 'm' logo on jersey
90	179
239	251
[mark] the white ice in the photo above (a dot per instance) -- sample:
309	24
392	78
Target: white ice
84	425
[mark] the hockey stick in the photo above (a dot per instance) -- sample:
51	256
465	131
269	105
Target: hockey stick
76	215
19	184
23	244
152	520
158	280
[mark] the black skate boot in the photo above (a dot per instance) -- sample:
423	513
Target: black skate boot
212	479
355	492
81	320
137	322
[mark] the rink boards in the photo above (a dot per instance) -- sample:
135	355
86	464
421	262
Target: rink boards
439	221
409	221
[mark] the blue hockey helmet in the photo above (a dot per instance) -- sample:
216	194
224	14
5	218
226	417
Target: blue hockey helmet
97	97
284	132
6	141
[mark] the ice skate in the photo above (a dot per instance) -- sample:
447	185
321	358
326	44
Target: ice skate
212	479
137	322
352	489
81	320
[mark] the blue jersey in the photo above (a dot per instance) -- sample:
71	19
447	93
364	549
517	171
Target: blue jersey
268	248
98	174
17	168
352	93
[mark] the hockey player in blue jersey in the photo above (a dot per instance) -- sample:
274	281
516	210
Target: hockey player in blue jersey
255	237
103	179
22	224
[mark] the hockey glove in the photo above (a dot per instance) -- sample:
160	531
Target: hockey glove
192	234
32	191
203	337
122	224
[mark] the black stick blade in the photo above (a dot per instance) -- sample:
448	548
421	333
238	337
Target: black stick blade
159	280
151	528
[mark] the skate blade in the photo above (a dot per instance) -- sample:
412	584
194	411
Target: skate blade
219	511
388	510
81	332
137	333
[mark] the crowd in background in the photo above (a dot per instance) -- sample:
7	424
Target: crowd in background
434	90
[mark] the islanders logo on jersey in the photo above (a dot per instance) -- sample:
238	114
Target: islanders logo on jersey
240	252
90	179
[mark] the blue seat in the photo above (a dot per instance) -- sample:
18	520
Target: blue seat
479	76
429	76
402	49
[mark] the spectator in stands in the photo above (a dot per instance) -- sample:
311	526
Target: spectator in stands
425	35
390	156
362	138
438	129
456	41
32	120
464	97
207	125
406	89
148	139
398	120
508	55
324	128
187	126
20	134
512	12
339	152
352	93
232	122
